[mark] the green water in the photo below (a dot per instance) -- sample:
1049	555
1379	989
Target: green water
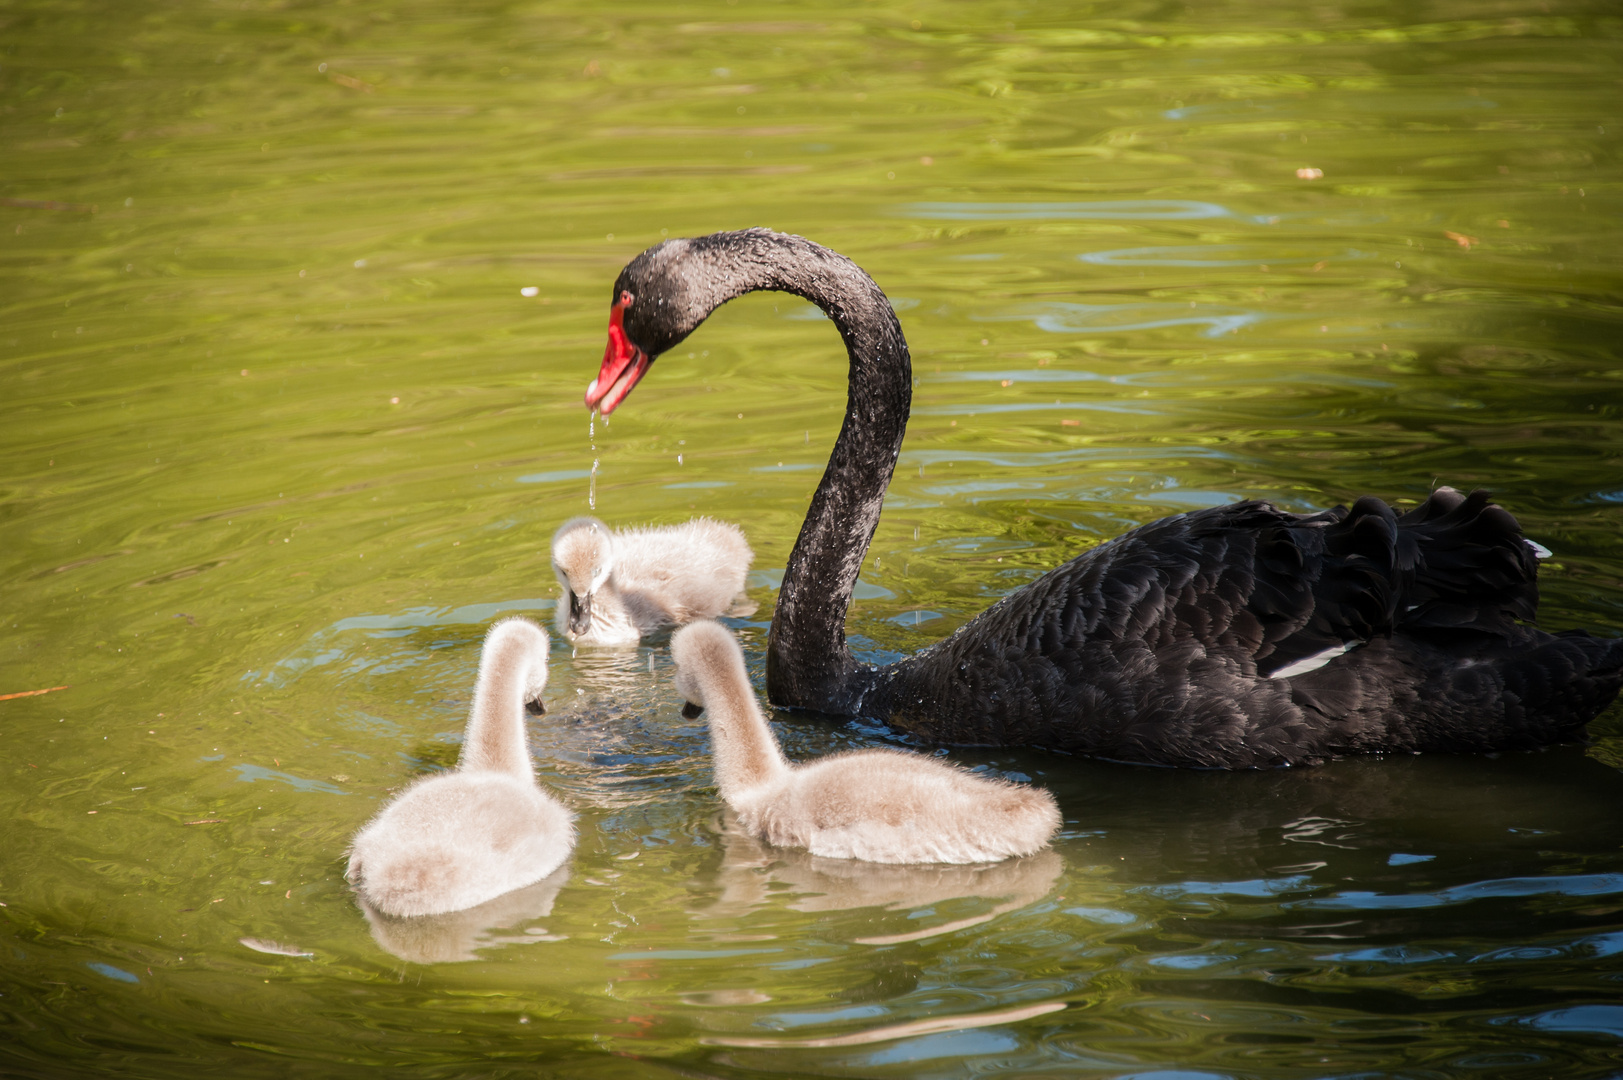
280	435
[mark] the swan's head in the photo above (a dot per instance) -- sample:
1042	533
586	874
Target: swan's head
660	298
706	653
512	641
582	560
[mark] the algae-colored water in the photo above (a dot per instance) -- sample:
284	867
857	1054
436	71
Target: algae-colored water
280	435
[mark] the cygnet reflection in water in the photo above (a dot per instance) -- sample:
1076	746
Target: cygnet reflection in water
458	935
752	875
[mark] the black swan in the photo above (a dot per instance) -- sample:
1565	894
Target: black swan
1235	637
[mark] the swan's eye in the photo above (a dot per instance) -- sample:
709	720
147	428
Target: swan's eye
626	298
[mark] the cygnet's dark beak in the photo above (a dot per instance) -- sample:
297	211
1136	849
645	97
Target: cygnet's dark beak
580	613
691	711
536	707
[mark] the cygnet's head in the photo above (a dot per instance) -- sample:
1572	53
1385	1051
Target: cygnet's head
513	638
702	651
582	559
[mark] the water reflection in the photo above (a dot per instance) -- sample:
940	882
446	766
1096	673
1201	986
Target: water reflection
1211	255
753	874
459	935
1114	210
908	1030
1069	318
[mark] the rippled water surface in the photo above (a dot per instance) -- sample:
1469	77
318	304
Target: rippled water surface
299	302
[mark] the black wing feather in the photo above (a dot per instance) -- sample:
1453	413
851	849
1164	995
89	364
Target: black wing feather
1162	645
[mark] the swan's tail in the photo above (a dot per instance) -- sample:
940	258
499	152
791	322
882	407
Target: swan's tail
1333	581
1455	562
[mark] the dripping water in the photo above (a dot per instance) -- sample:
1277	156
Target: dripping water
591	439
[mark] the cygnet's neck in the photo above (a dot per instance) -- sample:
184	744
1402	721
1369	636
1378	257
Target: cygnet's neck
747	756
512	664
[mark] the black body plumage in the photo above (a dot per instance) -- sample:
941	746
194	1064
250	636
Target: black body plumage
1233	637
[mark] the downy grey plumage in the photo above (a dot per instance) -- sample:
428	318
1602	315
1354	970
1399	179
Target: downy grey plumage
885	806
457	839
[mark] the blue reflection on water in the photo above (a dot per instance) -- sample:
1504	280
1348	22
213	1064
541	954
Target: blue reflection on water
467	614
1593	946
1063	318
1176	256
690	954
1588	1019
113	973
1113	210
1390	954
251	773
1190	962
1038	406
1254	887
555	476
1398	858
316	652
948	1044
1052	458
1108	916
915	618
1043	375
1568	885
1214	109
779	1021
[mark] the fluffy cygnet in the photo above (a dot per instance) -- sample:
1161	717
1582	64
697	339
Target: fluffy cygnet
883	806
460	838
621	585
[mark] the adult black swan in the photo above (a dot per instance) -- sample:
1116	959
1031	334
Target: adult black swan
1236	636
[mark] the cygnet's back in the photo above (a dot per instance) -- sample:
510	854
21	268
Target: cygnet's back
891	806
879	805
458	839
621	585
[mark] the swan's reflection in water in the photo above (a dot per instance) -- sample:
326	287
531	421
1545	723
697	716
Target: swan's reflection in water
753	874
457	935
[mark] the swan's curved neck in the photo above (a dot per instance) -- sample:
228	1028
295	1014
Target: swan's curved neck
495	739
808	661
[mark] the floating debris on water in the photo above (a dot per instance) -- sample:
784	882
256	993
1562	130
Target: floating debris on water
274	948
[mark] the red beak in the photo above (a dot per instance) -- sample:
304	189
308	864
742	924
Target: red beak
624	365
